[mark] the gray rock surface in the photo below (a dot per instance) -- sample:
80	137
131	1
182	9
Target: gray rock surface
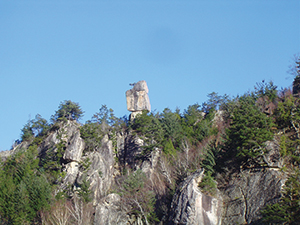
131	152
137	98
69	134
272	158
71	169
101	170
5	154
190	206
109	211
74	147
248	193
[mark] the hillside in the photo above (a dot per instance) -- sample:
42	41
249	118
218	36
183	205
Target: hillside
227	161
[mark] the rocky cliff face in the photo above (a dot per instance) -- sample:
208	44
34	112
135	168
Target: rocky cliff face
96	167
68	135
240	200
248	193
100	172
190	206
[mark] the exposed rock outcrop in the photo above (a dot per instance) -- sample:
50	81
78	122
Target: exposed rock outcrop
109	211
74	148
67	134
8	153
242	198
190	206
130	149
137	98
248	193
272	158
101	169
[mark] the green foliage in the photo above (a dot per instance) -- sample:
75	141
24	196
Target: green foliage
275	214
24	190
287	210
103	122
169	148
193	115
134	190
287	116
209	161
67	110
168	130
84	190
295	71
34	128
191	119
208	185
107	119
92	135
171	125
52	158
104	115
283	146
134	183
86	164
181	136
150	129
264	89
214	102
249	129
287	113
61	147
197	124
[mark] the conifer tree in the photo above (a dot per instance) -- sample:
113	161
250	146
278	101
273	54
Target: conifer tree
249	129
68	110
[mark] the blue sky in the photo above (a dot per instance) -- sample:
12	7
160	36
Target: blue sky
89	52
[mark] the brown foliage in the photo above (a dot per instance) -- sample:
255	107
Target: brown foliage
68	212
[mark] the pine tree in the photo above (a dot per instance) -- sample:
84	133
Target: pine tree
249	130
67	110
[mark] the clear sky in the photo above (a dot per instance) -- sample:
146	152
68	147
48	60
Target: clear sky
89	52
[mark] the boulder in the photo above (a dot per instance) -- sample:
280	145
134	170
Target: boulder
137	98
190	206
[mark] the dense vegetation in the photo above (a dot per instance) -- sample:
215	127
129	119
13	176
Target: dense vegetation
222	134
28	178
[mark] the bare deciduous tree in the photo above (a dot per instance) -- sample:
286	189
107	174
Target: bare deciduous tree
59	214
81	212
